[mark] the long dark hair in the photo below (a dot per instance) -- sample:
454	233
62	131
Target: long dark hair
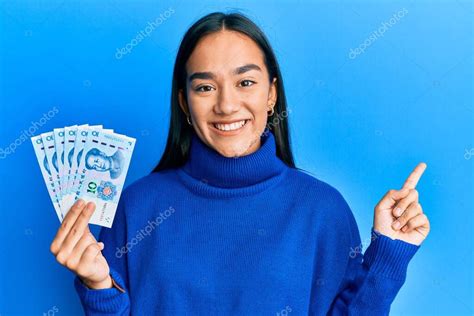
180	132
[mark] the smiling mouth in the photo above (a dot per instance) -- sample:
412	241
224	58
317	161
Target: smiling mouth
230	127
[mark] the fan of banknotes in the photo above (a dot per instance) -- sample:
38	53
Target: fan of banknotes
86	162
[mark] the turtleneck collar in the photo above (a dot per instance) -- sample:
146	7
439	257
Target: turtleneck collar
212	169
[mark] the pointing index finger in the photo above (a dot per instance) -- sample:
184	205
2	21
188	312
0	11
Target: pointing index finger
415	176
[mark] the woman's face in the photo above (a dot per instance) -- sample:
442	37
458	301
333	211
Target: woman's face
228	93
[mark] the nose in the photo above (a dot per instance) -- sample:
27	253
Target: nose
227	101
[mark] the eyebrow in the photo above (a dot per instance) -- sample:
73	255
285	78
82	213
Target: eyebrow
237	71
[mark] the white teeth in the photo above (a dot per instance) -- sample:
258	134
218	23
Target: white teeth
230	127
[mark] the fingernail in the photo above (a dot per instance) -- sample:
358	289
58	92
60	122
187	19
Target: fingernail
404	229
398	211
396	225
80	202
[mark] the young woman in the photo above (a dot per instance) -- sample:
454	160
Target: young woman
226	224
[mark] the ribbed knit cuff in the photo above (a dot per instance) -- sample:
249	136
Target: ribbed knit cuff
106	300
388	257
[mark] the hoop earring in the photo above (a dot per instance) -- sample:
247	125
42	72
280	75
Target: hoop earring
272	110
189	122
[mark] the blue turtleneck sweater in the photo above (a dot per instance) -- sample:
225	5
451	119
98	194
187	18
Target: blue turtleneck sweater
242	236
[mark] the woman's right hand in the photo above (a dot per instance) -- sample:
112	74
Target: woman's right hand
77	249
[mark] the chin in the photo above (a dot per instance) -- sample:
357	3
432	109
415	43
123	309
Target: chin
233	144
230	151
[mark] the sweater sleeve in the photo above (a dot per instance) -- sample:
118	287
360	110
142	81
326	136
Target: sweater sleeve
110	301
371	281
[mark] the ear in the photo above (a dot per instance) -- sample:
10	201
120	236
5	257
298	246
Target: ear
182	102
272	93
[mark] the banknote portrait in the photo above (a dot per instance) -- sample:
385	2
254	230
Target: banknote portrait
99	161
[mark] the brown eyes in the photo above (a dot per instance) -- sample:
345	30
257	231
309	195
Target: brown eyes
207	88
203	89
249	83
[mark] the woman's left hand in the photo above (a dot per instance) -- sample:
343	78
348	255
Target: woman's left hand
398	215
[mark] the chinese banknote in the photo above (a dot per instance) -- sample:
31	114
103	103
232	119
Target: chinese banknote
86	162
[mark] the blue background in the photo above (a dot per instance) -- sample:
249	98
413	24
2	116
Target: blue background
360	124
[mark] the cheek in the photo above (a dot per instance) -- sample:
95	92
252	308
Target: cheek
258	105
200	106
255	99
258	94
261	121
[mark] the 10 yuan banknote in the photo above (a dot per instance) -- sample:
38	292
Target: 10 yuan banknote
86	162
